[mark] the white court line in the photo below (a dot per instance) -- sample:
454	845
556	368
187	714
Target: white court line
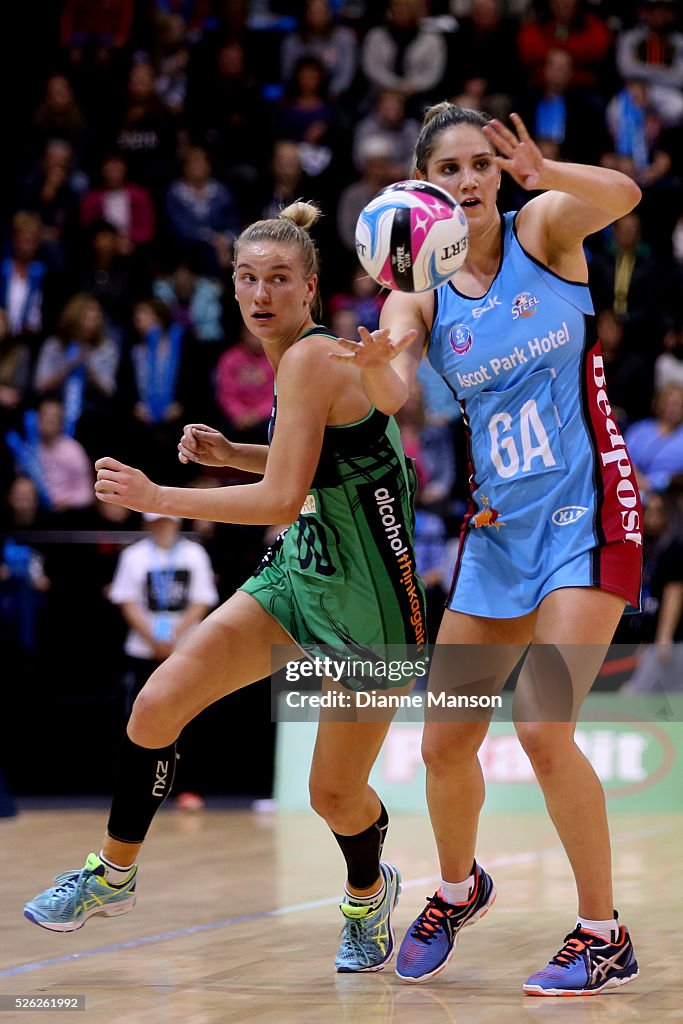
293	908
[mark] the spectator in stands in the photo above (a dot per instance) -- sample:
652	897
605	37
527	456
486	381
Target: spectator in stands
108	273
224	103
285	181
15	375
53	191
307	115
482	48
378	168
659	624
144	131
158	384
628	374
202	215
22	278
58	116
363	297
566	121
80	363
196	303
656	443
171	58
566	25
669	363
243	389
59	466
625	277
386	119
119	201
441	414
21	508
400	54
319	36
652	52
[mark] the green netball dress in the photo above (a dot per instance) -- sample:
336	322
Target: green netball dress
342	579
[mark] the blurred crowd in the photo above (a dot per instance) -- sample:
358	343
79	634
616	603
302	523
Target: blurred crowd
159	129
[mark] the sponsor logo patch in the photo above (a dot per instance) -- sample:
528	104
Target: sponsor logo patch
568	514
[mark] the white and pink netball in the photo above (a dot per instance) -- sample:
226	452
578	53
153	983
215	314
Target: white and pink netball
412	236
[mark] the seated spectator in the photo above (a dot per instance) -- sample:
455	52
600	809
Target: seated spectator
401	54
625	277
628	376
363	297
410	419
565	25
15	375
285	181
22	278
118	201
21	507
171	55
563	114
441	414
669	363
659	625
655	444
386	119
59	465
143	131
319	36
196	303
58	116
243	390
378	168
307	115
224	102
108	273
202	215
53	191
481	49
81	363
158	385
652	52
195	15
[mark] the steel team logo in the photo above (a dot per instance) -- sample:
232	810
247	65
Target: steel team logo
460	338
524	305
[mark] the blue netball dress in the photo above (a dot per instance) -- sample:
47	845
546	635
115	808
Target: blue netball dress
554	501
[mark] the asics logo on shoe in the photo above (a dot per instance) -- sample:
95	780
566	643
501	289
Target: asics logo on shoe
604	964
162	775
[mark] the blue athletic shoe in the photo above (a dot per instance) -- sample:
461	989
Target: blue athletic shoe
367	937
430	942
585	966
78	895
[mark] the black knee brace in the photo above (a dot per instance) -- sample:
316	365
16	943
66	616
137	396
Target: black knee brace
144	781
363	851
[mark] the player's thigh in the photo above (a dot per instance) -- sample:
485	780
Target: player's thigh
231	648
574	627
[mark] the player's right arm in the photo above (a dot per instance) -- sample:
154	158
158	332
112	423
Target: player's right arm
389	367
209	447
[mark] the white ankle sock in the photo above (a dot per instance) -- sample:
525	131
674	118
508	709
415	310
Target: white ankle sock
608	930
114	873
457	892
366	901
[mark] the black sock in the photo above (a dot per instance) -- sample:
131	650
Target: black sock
363	852
144	781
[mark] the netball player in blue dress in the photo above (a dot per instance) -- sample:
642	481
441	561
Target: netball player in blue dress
550	551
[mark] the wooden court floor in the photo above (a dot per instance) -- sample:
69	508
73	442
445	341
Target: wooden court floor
237	921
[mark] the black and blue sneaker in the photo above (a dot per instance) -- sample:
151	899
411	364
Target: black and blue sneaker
430	942
586	965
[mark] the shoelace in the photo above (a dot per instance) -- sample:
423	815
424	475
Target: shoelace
431	919
573	947
69	880
355	938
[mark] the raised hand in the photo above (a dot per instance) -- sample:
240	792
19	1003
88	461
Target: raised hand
118	484
521	157
374	350
204	445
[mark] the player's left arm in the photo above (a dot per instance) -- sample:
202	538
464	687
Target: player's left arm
306	385
577	199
